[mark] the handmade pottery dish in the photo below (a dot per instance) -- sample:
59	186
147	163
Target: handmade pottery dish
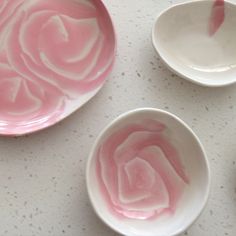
148	174
54	57
197	41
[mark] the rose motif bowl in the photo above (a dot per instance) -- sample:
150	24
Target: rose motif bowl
148	174
54	57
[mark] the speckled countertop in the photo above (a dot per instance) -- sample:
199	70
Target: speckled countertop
42	176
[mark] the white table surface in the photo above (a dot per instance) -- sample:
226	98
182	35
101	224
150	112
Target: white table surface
42	176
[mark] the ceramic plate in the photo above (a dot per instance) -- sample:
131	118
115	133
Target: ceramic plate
54	57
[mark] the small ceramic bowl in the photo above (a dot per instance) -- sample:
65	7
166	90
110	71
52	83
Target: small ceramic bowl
148	174
197	41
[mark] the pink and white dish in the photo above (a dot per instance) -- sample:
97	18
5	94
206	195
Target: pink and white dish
197	39
148	174
54	57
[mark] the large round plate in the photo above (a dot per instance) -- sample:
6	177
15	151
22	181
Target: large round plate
54	57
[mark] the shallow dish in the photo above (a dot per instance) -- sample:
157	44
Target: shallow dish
148	174
197	41
54	57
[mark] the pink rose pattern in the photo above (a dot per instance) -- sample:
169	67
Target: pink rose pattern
139	171
51	53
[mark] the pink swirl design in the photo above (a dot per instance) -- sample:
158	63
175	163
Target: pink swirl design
52	53
217	16
139	172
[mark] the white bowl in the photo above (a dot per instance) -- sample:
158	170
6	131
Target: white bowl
193	159
183	37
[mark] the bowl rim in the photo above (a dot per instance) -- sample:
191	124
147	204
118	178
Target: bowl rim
171	66
111	125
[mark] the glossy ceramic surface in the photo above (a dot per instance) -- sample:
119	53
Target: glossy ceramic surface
54	57
197	41
137	152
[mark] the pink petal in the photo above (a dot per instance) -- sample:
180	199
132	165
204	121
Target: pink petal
172	181
141	187
105	162
108	173
137	141
22	98
29	32
217	16
76	53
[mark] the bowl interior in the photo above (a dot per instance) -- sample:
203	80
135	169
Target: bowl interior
182	38
196	167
